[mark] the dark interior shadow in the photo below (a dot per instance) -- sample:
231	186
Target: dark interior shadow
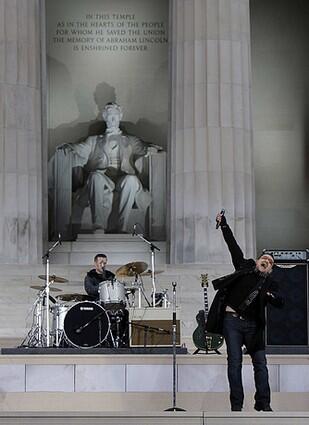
76	130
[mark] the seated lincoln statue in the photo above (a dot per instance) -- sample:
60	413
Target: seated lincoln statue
106	175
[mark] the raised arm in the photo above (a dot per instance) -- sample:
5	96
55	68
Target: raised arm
235	251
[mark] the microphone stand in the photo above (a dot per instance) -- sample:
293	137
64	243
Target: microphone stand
152	249
174	335
47	283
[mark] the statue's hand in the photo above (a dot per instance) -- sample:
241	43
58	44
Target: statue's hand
66	148
152	148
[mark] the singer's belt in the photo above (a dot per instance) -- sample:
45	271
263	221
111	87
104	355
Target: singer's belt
234	314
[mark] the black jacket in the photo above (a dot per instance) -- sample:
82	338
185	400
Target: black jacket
223	284
93	279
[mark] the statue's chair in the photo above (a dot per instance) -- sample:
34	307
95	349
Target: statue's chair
70	217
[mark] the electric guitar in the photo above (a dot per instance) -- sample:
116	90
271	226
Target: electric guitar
205	340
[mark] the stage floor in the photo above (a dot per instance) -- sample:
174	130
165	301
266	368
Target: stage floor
89	351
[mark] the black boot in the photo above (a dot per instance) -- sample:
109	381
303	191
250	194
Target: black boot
263	408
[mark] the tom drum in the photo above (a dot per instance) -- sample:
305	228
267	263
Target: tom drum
112	292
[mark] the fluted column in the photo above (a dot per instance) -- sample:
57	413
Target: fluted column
211	134
20	132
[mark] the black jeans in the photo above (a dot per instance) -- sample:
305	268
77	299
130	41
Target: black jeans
239	332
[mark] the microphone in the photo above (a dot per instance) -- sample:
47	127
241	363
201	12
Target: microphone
134	230
222	212
59	239
78	330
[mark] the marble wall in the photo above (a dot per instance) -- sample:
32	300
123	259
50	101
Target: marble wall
143	375
20	132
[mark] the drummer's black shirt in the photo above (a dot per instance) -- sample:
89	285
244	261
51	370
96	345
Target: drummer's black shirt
93	279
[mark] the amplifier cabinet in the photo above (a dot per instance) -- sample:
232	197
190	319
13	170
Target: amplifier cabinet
287	327
152	327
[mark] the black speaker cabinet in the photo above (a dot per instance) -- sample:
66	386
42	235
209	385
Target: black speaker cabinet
287	327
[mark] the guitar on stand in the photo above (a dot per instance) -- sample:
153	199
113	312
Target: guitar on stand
202	339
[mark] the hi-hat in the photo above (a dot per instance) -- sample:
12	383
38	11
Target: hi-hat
53	278
131	269
73	297
40	288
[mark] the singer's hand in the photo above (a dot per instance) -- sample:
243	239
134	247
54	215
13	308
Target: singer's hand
219	218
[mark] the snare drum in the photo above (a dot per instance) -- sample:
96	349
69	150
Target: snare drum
86	325
112	292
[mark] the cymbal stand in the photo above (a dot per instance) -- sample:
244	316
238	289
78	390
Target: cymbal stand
141	290
47	284
36	335
40	317
153	275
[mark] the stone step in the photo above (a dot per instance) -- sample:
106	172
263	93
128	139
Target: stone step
120	249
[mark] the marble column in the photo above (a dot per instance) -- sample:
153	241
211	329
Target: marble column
20	132
211	129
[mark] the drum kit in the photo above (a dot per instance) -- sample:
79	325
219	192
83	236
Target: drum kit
79	320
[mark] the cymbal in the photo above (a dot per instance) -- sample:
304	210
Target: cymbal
40	288
148	272
73	297
131	269
53	278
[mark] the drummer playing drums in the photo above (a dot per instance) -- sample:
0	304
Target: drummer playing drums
97	275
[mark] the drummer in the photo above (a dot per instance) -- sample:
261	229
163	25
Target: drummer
97	275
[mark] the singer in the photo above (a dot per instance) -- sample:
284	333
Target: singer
238	312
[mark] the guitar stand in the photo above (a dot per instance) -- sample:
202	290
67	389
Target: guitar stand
206	351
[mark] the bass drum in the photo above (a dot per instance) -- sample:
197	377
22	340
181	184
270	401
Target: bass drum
86	325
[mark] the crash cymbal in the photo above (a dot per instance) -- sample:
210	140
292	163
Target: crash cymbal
148	272
73	297
53	278
40	288
131	269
